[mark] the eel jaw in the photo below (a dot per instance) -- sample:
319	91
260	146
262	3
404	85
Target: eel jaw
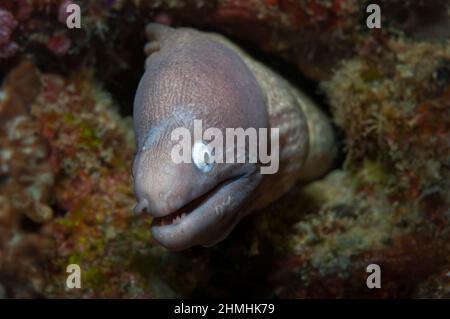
207	219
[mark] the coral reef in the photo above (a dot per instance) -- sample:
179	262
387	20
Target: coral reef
394	209
26	181
91	149
7	25
66	146
313	34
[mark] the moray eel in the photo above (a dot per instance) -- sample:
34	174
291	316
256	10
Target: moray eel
193	75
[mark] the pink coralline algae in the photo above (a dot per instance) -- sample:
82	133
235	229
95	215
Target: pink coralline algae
58	45
7	25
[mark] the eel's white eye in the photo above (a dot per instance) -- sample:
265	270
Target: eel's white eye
202	157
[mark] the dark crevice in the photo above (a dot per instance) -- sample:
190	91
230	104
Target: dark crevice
4	179
58	211
28	225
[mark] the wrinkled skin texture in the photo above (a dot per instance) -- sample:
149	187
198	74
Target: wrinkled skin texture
191	76
187	77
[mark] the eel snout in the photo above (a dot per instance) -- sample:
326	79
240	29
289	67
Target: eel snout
196	209
206	219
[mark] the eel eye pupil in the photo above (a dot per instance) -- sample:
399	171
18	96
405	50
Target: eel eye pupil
202	157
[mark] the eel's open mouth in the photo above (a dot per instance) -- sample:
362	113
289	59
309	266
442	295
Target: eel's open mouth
177	216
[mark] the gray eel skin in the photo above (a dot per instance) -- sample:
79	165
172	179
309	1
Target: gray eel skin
195	75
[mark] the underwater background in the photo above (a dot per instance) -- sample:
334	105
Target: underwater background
67	142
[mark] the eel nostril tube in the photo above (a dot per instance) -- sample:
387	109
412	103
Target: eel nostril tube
141	205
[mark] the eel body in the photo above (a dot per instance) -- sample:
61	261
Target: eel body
191	75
